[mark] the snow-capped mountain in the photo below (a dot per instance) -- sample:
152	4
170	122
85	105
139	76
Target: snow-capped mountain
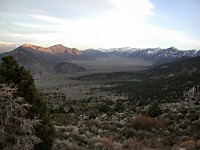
120	50
157	55
6	47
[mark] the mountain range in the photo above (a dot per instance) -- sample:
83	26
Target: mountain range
157	55
44	61
56	59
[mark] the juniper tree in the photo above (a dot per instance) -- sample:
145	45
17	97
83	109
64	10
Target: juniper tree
12	73
16	130
154	110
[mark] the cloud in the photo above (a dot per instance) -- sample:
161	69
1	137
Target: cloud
53	20
24	24
88	24
68	9
34	11
110	31
135	7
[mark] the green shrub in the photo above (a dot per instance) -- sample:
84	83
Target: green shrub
154	110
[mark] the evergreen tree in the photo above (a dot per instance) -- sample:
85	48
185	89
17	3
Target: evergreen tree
12	73
16	129
154	110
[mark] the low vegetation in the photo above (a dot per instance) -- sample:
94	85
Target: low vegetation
147	111
89	128
160	112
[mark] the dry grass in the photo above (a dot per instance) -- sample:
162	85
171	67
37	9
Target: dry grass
143	122
146	144
146	122
190	145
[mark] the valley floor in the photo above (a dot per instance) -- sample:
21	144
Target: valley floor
90	116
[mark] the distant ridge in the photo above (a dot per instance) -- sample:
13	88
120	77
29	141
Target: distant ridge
55	49
44	61
158	55
95	53
6	47
56	59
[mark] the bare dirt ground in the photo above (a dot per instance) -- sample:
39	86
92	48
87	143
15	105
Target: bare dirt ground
78	90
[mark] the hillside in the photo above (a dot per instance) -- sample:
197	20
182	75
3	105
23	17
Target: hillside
181	66
166	83
58	51
66	67
44	61
95	53
154	109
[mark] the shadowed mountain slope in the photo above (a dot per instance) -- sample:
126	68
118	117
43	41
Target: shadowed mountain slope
44	61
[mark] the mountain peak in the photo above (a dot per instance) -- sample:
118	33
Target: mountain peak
58	46
30	46
173	48
55	49
26	45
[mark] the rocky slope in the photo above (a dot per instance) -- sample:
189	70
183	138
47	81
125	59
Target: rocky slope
44	61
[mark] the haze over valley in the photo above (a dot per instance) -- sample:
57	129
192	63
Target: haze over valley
59	59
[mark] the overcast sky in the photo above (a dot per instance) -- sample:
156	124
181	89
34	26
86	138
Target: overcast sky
102	23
